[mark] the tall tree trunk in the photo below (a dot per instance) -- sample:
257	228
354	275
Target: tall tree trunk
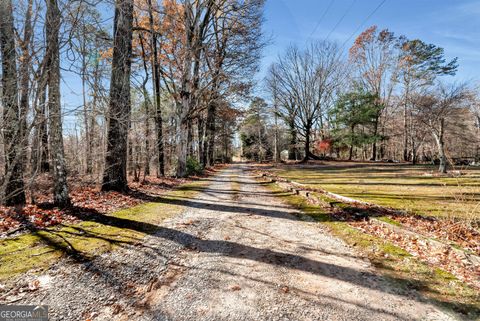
136	161
88	152
25	78
60	189
130	158
405	133
276	152
182	147
146	103
261	154
414	152
405	123
41	161
160	143
225	143
195	27
115	173
209	144
307	144
189	138
182	123
43	132
292	148
93	114
13	187
146	170
201	139
157	93
441	148
374	144
40	148
86	119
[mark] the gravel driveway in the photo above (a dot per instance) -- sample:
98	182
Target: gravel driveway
235	253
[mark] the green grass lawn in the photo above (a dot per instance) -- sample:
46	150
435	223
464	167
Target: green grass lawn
413	188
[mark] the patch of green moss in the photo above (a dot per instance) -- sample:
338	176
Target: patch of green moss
388	220
86	239
402	269
22	254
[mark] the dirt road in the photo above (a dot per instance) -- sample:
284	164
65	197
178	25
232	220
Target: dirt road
236	253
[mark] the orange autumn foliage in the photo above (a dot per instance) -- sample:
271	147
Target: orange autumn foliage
168	26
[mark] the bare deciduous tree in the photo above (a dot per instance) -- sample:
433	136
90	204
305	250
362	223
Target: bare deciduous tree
60	189
437	110
115	173
308	80
374	55
13	187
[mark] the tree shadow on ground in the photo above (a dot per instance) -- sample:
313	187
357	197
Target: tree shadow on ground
332	301
232	249
220	247
211	205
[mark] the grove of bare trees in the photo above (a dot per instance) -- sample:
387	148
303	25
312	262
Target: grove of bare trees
160	85
390	99
166	87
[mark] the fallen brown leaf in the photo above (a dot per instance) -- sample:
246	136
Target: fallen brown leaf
34	285
236	287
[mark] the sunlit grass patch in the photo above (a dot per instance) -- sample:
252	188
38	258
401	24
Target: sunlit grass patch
402	269
412	188
84	240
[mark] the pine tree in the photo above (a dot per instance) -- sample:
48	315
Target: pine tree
354	110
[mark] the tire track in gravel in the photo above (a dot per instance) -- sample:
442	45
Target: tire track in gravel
250	258
235	253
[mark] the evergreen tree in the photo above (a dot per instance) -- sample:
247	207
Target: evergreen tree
353	118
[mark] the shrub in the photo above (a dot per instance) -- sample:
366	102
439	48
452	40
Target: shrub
193	166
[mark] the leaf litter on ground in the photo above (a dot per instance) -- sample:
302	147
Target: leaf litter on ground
86	198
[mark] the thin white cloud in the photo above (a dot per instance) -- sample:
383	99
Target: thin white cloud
470	8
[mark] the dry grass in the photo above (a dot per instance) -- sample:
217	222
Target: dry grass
404	270
418	189
87	238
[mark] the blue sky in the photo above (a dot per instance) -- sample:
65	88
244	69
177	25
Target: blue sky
451	24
